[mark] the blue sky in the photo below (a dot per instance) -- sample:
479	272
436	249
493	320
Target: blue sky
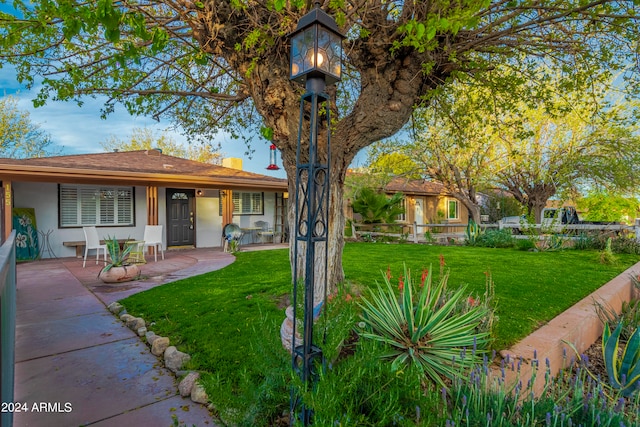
80	130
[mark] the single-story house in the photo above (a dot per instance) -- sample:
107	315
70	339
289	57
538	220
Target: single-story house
425	202
122	192
428	202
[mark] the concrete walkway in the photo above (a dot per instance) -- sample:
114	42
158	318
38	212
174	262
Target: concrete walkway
77	364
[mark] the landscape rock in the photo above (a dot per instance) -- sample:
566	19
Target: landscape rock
126	317
136	323
159	345
115	307
142	331
198	394
174	359
187	383
151	337
286	331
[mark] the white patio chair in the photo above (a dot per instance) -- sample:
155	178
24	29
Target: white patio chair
92	241
265	231
153	237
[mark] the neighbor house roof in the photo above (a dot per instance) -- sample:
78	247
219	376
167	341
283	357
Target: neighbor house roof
416	187
141	167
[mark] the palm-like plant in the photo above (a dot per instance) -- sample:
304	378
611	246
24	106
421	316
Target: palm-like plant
377	207
423	328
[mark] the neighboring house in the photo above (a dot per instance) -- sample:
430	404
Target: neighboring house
427	202
121	192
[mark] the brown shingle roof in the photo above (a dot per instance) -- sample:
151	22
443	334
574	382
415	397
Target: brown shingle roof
415	187
141	166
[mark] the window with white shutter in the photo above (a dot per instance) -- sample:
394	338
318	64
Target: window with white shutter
246	203
86	205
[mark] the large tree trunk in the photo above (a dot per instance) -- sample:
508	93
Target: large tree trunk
384	106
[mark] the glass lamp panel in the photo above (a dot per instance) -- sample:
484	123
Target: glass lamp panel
297	55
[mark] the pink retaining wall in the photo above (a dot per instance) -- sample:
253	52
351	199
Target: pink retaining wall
578	325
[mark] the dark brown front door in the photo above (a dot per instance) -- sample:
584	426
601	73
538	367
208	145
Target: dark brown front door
180	217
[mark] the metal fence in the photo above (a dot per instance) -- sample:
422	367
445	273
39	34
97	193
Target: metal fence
7	326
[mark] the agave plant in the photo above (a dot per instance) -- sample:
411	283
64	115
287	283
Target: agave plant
623	371
423	328
117	257
472	232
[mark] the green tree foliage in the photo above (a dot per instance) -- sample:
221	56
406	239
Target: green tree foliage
567	143
223	64
375	207
609	207
533	149
145	139
392	164
19	136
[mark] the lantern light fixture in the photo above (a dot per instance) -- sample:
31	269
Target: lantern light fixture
273	165
316	50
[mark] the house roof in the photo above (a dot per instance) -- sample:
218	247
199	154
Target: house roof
141	167
417	187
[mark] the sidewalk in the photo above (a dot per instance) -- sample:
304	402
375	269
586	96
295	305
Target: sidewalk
77	364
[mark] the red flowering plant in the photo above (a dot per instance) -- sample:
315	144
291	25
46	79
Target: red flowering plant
423	327
336	320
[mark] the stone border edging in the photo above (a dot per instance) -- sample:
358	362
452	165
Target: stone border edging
173	359
578	325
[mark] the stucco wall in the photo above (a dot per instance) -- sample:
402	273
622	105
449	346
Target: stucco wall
43	197
208	219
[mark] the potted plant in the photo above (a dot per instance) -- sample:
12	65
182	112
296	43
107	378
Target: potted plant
119	269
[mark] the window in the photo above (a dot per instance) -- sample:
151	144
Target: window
247	203
452	209
403	216
85	205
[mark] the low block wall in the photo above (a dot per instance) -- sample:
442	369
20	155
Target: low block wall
578	325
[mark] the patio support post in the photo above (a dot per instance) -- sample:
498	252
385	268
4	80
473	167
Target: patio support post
152	205
8	209
227	206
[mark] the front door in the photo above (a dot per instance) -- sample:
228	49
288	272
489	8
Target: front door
418	213
180	217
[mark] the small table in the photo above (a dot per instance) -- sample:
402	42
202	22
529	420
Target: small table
252	232
136	255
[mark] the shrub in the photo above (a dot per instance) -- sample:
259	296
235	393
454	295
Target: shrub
421	328
363	390
585	241
553	242
572	398
495	239
525	244
606	255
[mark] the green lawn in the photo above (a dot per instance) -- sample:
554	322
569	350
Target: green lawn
212	316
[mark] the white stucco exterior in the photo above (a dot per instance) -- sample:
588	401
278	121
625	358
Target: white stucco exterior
43	198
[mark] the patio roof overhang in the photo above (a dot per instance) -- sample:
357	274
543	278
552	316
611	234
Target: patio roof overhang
33	173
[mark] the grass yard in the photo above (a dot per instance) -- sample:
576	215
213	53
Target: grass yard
212	316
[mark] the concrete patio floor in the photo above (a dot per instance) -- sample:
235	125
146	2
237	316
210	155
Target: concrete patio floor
77	364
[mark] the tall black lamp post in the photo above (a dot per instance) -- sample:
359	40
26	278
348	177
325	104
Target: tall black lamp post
315	61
